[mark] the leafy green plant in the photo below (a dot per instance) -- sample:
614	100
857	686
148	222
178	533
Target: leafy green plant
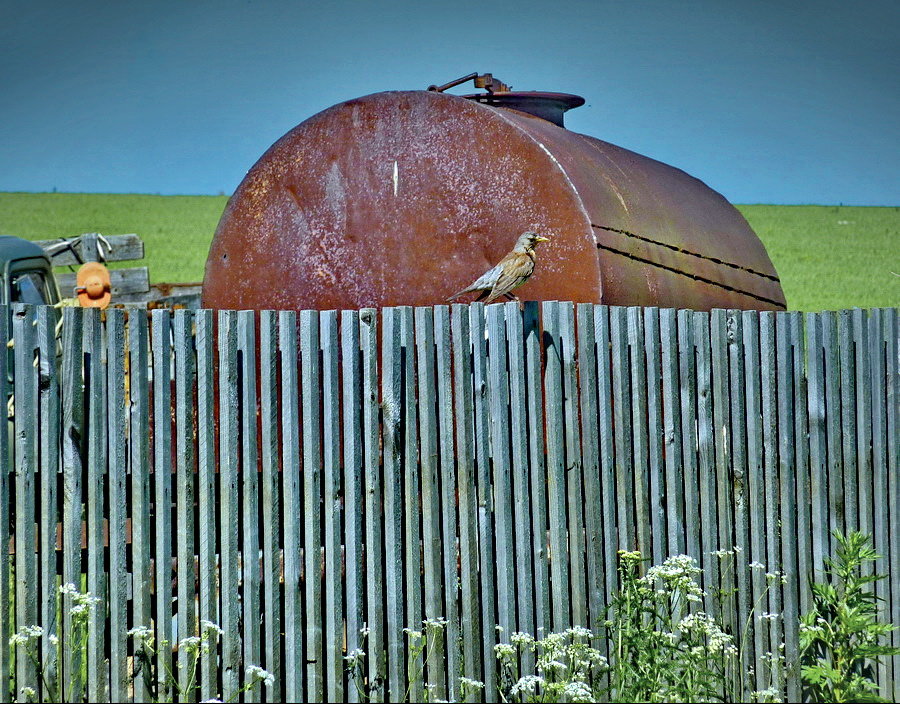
840	637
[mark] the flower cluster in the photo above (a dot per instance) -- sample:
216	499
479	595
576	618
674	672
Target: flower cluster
676	575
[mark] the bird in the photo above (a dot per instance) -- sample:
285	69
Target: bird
510	272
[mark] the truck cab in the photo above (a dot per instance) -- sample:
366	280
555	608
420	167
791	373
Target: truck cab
27	275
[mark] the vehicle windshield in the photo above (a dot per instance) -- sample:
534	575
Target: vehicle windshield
28	287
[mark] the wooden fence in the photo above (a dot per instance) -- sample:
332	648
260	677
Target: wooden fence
314	482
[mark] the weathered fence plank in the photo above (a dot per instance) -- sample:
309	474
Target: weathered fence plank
6	558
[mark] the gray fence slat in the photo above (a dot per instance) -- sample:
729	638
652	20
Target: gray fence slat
621	401
207	465
485	504
448	487
863	404
655	437
185	469
573	468
354	566
229	501
121	248
122	281
468	501
118	469
815	399
671	411
536	466
769	407
757	549
519	432
26	462
312	502
97	670
606	448
595	544
801	462
787	476
687	372
270	498
331	462
639	452
891	332
740	489
849	426
48	392
498	382
833	434
724	479
431	496
393	501
6	560
706	448
412	532
556	466
139	446
292	493
375	584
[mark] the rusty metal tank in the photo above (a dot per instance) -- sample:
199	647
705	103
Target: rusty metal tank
404	197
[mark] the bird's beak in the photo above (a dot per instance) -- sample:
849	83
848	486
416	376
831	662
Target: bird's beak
541	238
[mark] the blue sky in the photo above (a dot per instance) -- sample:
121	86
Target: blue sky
766	101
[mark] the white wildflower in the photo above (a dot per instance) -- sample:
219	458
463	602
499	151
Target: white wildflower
54	640
141	633
415	635
765	616
68	588
209	626
28	692
365	631
257	673
354	657
467	683
521	639
755	565
578	632
504	650
526	685
190	643
439	622
577	692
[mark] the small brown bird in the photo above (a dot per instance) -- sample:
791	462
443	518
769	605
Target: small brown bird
511	271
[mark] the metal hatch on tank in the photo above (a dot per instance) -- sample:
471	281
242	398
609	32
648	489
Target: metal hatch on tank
404	197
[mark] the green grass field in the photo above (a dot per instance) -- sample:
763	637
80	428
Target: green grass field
828	257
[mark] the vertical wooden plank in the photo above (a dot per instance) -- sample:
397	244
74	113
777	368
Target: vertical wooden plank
595	546
498	382
674	475
354	566
801	463
412	532
832	373
769	409
721	409
891	332
375	584
312	502
521	486
118	469
606	449
95	382
271	499
207	502
639	456
740	490
25	399
468	501
863	410
331	463
573	469
848	419
6	560
292	517
139	440
621	383
432	545
393	500
229	502
706	457
448	488
485	503
185	470
249	483
687	367
556	466
657	491
536	466
48	391
816	412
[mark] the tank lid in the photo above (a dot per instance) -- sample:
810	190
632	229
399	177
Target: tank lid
549	106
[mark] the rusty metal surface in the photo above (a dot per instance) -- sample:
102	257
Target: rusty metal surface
403	198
